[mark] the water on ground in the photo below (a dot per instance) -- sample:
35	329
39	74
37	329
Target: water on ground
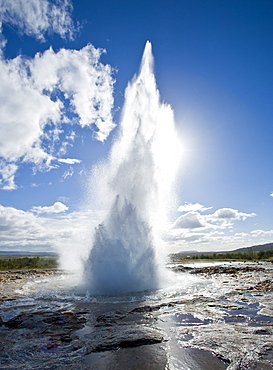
211	317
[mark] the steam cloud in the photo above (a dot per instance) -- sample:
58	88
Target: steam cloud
135	185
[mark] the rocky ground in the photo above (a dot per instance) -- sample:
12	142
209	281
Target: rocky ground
203	331
11	281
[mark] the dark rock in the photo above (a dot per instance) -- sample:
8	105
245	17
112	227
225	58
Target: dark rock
231	270
25	320
265	285
46	321
66	338
147	308
262	332
181	268
123	337
109	319
126	344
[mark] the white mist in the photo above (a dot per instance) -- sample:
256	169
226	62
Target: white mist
135	185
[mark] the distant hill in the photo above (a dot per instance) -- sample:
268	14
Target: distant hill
27	254
256	248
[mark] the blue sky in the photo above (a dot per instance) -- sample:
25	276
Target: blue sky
61	102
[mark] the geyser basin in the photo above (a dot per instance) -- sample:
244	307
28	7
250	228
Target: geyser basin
135	185
194	324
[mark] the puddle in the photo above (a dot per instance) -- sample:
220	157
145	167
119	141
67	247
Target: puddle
189	320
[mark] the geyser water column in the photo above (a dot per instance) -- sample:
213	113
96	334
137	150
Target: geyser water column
135	184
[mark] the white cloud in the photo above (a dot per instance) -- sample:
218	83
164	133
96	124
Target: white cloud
69	234
214	231
37	17
271	194
68	173
214	240
34	185
87	84
68	160
262	233
24	113
231	214
57	207
66	143
38	94
184	236
188	221
7	172
192	207
15	223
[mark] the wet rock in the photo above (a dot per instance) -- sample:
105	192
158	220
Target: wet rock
66	338
147	308
16	276
109	318
262	332
6	298
125	337
265	285
43	321
231	270
65	321
265	360
126	343
26	321
142	335
181	268
149	357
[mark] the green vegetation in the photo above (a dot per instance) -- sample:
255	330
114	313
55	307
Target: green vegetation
265	255
250	255
26	263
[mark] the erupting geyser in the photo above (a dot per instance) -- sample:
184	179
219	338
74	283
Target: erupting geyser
135	184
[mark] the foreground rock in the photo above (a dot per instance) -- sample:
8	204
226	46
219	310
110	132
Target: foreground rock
213	328
17	275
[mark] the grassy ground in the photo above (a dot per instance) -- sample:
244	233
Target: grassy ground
26	263
190	259
248	256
